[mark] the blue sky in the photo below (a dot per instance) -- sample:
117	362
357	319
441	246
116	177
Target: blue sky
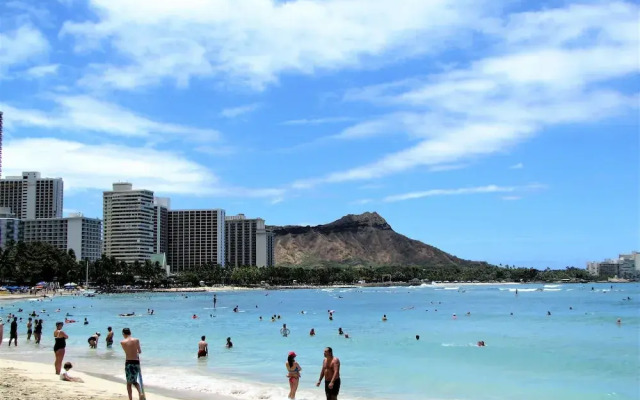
505	132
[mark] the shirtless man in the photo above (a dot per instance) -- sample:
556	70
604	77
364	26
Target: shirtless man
203	348
331	374
109	337
131	347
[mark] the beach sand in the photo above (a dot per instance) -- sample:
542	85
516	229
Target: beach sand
34	381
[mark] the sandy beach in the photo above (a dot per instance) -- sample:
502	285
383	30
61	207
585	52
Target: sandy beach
33	381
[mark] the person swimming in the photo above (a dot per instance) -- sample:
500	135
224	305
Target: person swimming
384	318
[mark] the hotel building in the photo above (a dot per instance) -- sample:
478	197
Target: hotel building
32	197
76	232
248	242
128	223
195	238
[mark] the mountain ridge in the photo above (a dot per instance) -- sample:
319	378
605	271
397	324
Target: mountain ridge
356	239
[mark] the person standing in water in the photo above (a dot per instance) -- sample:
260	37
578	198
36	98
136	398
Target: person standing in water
109	338
215	300
331	374
203	347
131	347
29	328
59	347
293	373
13	332
37	331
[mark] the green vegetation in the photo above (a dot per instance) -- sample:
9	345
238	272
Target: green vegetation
215	274
28	263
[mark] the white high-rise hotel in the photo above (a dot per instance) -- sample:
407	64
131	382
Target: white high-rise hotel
139	226
32	197
128	223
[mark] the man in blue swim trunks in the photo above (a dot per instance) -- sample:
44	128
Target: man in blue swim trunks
131	347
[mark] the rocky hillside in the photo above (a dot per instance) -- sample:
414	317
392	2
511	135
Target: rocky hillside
365	239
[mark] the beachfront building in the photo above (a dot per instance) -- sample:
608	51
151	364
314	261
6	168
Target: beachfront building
625	266
32	197
195	238
78	233
161	206
10	227
128	223
248	242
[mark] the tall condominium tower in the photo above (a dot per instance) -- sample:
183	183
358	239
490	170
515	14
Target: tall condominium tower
32	197
196	238
128	223
247	242
161	206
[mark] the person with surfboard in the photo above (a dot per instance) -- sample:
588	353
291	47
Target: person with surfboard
132	350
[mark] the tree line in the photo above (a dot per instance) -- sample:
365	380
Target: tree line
28	263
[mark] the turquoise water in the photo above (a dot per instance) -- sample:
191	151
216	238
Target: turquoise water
578	353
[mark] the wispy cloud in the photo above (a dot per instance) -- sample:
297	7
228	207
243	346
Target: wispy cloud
462	191
446	167
43	70
500	101
318	121
86	167
85	113
517	166
21	46
252	43
235	112
511	198
361	202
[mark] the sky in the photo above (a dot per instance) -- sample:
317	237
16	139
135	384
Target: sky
505	132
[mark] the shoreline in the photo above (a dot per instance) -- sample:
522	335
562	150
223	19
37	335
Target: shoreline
230	288
18	378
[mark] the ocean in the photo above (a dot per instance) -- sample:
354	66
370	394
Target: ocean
576	352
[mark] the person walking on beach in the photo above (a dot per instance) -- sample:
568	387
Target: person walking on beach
203	347
59	346
109	338
131	347
13	332
1	330
331	374
293	373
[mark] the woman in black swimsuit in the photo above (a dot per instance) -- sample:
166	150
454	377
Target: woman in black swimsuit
59	346
37	331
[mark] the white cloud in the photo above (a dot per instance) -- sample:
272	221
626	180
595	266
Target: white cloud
446	167
43	70
463	191
234	112
253	41
361	202
517	166
511	198
86	113
317	121
86	166
499	101
20	46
